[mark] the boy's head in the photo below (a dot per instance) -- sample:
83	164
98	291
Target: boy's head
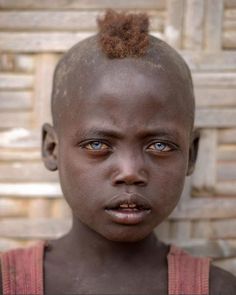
123	139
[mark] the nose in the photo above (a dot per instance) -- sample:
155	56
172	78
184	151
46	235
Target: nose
130	170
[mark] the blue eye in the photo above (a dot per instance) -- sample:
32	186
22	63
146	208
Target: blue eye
160	147
96	146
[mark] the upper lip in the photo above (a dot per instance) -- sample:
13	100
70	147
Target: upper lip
133	200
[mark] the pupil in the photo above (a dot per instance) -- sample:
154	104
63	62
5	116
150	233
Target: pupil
96	145
159	146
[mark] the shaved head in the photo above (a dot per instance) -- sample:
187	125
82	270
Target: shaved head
87	59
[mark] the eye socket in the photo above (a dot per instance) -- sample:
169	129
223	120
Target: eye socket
96	146
160	147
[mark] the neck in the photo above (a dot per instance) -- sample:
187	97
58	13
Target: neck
83	243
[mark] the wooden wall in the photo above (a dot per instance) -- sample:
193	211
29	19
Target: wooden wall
34	34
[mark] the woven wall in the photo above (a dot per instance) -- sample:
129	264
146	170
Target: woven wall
34	34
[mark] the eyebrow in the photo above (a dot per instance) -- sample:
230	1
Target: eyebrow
100	132
172	133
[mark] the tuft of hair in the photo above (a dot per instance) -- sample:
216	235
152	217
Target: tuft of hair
123	35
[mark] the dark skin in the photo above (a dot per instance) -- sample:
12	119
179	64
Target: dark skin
127	118
130	134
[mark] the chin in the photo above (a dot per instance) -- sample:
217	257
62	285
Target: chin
127	236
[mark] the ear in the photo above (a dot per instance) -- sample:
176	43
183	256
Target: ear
193	150
49	147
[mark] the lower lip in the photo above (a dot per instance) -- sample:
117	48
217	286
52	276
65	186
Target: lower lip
129	217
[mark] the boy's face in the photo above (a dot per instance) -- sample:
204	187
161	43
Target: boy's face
123	148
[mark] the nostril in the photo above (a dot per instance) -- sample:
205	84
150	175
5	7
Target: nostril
130	182
119	182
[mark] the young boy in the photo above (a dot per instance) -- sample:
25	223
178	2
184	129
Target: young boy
123	141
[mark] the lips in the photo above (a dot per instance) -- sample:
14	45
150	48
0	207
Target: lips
128	209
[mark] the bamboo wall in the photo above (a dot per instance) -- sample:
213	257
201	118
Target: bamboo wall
34	34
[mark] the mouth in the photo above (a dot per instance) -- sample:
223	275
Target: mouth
128	209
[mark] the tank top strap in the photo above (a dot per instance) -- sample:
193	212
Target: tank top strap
187	275
22	270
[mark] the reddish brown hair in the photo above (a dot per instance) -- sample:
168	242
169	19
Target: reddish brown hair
122	35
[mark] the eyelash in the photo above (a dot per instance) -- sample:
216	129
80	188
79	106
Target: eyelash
96	141
170	147
105	147
102	150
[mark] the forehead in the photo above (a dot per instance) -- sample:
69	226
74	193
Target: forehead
126	92
101	72
128	76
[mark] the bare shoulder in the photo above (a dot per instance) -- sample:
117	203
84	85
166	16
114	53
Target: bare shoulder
221	282
1	291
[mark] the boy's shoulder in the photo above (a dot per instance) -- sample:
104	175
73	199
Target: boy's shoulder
221	282
1	292
21	261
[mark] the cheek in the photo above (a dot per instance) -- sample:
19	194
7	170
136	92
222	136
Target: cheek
170	171
169	184
69	177
79	182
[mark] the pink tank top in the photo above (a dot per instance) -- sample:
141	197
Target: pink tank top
22	272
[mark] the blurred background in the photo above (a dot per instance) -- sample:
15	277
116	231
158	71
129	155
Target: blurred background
34	35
